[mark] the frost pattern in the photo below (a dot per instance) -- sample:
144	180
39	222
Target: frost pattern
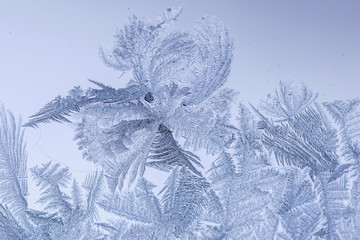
286	169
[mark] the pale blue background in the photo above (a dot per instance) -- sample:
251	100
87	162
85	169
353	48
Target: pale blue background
47	47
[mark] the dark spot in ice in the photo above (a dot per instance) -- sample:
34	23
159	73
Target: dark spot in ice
149	97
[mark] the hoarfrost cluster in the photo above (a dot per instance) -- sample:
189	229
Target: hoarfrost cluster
286	169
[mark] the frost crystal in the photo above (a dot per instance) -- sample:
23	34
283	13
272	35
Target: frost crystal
287	169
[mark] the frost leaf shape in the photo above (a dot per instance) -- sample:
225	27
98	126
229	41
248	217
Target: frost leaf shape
171	60
65	220
58	109
13	170
199	60
221	172
303	141
50	177
183	200
347	115
248	199
136	42
9	226
300	211
208	124
167	153
139	205
333	197
291	99
76	195
139	213
94	184
213	61
247	185
112	137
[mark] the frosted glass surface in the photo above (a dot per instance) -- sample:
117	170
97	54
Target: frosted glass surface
194	120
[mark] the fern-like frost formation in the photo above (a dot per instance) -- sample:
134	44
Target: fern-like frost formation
286	169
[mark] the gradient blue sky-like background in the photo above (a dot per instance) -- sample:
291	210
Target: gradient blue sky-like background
47	47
